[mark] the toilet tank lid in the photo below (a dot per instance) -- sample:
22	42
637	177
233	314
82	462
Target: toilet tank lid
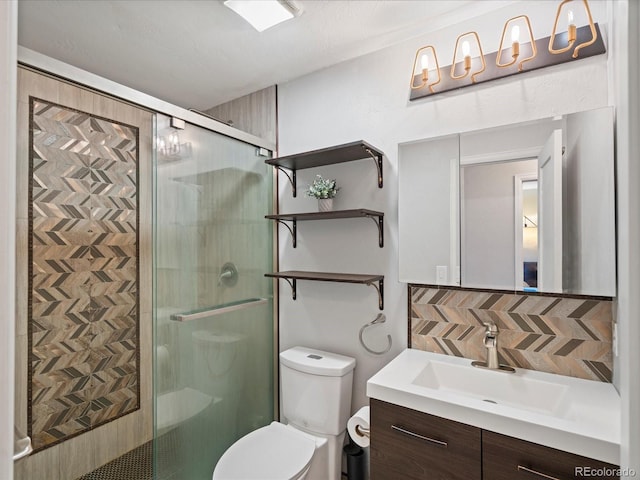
317	362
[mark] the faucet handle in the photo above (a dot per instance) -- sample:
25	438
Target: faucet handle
491	328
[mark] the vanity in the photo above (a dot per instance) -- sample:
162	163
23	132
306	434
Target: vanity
500	231
436	417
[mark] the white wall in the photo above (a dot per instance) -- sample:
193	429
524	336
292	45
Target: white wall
367	98
589	228
8	76
488	223
427	245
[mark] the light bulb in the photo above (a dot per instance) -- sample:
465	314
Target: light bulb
571	29
515	34
465	48
424	61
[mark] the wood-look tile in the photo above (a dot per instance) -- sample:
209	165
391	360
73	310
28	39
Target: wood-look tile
21	379
22	277
77	455
74	97
129	431
106	443
40	465
36	85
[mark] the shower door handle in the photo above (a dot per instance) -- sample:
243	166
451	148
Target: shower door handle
21	446
218	309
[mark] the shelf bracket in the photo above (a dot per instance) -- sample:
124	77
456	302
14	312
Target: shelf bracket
292	284
379	224
292	178
378	161
380	289
293	229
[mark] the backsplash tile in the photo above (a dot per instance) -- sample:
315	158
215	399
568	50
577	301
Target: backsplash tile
563	335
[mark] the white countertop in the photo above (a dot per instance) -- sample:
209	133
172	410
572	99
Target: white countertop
566	413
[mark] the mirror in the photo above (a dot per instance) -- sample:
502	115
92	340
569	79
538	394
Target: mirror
523	207
428	211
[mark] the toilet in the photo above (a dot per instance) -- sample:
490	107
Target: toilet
316	402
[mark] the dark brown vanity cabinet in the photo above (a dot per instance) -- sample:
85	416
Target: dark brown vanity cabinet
508	458
407	444
410	445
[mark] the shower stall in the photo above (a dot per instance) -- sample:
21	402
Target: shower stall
145	327
213	307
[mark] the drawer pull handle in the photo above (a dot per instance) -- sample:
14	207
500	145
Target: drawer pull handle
541	475
421	437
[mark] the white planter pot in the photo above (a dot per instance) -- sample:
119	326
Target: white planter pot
325	204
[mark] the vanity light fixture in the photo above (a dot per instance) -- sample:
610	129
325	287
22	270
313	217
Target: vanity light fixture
263	14
424	65
571	33
465	49
519	51
517	24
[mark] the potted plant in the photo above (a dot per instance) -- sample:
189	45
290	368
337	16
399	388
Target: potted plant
324	190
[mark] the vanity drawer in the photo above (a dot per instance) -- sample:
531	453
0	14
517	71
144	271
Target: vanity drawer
408	445
508	458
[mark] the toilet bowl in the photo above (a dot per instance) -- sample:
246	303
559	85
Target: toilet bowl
316	400
274	452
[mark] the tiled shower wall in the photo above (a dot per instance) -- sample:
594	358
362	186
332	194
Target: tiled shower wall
556	334
83	295
112	346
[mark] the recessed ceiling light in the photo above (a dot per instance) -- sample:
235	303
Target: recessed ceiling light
263	14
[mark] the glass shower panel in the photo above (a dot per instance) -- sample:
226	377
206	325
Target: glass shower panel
213	305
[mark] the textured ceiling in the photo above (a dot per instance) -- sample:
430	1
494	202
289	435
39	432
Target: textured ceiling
198	53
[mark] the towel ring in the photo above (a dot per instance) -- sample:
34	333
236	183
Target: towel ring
379	319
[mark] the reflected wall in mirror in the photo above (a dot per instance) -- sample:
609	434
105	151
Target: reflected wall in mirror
537	210
428	211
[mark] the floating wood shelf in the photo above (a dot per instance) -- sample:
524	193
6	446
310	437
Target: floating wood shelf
349	152
294	218
291	276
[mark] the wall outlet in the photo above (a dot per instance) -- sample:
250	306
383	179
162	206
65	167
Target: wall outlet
441	274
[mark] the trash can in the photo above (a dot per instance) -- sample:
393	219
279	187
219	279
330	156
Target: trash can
355	461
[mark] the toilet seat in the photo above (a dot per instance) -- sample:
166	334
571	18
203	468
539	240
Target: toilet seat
274	452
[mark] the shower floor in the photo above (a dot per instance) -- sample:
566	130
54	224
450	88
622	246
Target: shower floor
138	463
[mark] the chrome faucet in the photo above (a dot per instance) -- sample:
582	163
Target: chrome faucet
491	343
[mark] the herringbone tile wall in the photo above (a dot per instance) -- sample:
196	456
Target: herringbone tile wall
567	336
103	278
83	296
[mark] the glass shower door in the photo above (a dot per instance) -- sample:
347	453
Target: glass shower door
213	306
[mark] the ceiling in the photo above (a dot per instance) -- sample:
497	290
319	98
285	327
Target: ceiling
198	53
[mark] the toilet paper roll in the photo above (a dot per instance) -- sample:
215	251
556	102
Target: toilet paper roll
358	427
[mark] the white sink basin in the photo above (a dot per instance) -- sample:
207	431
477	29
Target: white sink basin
571	414
494	387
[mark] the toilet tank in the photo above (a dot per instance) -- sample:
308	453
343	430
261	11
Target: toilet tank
316	389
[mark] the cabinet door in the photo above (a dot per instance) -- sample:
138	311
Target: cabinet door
410	445
507	458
